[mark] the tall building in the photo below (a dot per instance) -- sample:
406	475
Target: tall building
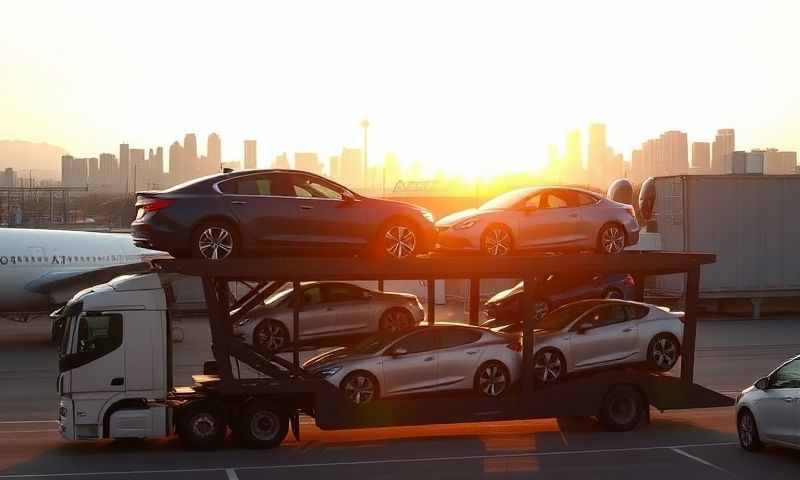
308	162
176	171
674	153
701	157
94	173
250	160
139	170
8	177
124	168
109	171
80	172
722	151
597	154
637	172
572	161
334	168
351	168
281	161
67	177
214	150
789	162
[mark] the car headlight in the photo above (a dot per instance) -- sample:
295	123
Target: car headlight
428	216
243	321
329	371
466	224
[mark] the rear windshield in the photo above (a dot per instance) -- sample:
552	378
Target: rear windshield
191	182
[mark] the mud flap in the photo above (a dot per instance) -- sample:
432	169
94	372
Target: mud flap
295	422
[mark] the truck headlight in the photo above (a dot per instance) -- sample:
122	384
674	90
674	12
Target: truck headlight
329	371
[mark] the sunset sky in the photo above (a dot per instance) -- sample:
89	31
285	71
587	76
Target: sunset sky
471	87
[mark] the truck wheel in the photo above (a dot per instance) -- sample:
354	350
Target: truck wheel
201	426
262	425
623	409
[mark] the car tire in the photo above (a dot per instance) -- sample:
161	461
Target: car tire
623	408
497	241
611	239
747	431
613	294
201	426
396	320
215	240
549	366
663	352
397	239
360	388
271	336
492	379
262	425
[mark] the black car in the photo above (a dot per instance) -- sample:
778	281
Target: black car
555	291
284	211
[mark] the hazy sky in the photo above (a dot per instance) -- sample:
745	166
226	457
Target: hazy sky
465	86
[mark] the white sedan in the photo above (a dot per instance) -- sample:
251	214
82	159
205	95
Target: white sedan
769	411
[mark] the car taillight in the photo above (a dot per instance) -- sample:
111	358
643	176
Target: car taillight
628	281
154	204
515	346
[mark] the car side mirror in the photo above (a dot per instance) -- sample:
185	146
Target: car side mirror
348	197
398	352
762	383
584	327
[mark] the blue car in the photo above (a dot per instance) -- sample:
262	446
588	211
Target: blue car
276	212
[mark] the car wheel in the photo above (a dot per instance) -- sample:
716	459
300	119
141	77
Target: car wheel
622	409
492	379
201	426
398	239
271	336
613	294
215	241
611	239
497	241
396	320
262	425
549	366
748	432
663	352
360	388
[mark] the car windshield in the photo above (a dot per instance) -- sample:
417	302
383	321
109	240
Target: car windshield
376	343
562	317
277	298
507	200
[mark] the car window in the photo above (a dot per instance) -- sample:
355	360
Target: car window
454	337
637	311
604	316
311	187
533	202
559	199
421	341
250	185
312	295
99	334
343	293
788	376
585	199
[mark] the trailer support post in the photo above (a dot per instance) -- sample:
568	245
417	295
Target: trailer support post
218	319
474	300
690	324
298	305
639	280
431	301
530	286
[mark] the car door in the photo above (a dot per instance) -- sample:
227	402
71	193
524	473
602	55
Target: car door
459	355
603	335
349	307
98	361
550	218
415	370
263	207
316	315
777	410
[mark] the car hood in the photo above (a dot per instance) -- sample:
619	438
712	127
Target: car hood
457	217
333	356
503	295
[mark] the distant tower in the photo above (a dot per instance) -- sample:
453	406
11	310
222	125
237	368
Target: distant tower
598	151
250	160
190	156
722	151
66	171
701	157
214	153
124	168
176	174
573	163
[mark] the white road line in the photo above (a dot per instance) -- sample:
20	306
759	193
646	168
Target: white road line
376	462
679	451
231	473
11	422
3	432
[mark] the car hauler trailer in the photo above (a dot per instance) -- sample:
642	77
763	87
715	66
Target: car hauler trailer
115	366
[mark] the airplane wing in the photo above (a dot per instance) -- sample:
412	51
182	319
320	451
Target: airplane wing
61	286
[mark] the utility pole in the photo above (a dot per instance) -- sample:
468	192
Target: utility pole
365	126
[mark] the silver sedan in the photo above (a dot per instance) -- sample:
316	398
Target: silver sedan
329	310
599	333
436	358
541	218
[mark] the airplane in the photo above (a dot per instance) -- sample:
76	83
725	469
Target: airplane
42	269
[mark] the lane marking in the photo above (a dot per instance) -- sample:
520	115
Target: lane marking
11	422
231	473
2	432
375	462
679	451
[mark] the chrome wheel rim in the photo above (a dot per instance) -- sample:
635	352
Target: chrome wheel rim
272	337
204	425
215	243
264	425
612	239
396	321
400	241
492	381
665	353
622	410
359	389
548	367
498	242
746	430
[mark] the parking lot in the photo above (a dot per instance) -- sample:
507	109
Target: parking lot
731	353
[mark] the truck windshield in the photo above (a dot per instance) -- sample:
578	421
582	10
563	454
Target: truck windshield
68	321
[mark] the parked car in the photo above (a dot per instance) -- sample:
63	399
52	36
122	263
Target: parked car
541	218
591	334
329	310
557	290
444	357
768	411
263	211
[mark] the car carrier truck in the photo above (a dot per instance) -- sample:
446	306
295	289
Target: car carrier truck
115	367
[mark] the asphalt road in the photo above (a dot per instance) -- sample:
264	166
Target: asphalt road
690	443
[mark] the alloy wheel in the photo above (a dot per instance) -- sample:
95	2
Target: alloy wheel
623	410
264	425
396	321
665	353
400	241
272	337
547	367
612	240
204	425
492	381
359	389
497	242
215	243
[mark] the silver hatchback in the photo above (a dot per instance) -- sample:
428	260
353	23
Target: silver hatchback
541	218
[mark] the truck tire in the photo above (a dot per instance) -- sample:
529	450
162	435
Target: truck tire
622	409
201	426
262	425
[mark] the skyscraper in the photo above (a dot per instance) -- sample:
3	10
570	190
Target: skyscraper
139	168
94	173
637	166
109	171
673	155
281	161
701	157
190	164
67	177
214	153
250	160
597	154
176	173
722	151
308	162
124	168
573	163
